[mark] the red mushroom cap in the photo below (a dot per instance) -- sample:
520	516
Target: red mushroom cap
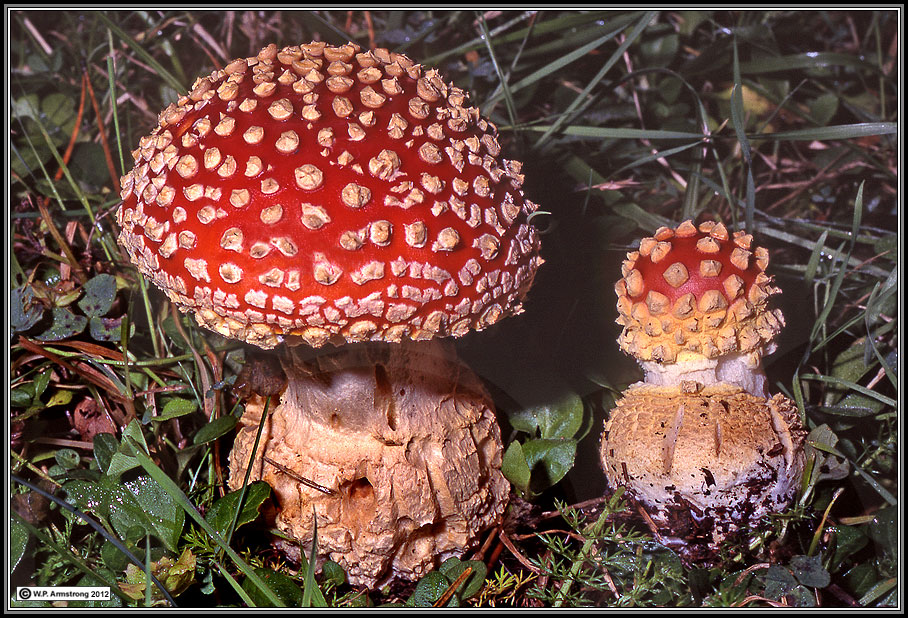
323	192
693	289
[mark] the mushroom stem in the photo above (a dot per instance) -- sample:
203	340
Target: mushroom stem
742	370
400	451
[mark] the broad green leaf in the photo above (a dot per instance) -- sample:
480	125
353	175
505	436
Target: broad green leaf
220	515
24	312
820	446
848	541
114	558
452	568
286	588
560	419
18	540
823	108
333	573
106	329
105	445
67	458
98	295
515	468
809	571
59	110
124	458
215	429
779	582
549	460
65	324
884	530
89	166
141	502
60	398
22	396
429	589
176	407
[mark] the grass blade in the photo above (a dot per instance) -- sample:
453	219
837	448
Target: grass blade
177	494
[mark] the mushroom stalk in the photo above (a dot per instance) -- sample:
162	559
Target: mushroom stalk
734	368
393	450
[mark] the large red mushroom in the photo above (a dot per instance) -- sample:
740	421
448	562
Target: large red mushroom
325	194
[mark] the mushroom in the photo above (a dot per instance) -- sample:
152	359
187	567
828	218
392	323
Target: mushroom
693	302
318	194
704	463
698	444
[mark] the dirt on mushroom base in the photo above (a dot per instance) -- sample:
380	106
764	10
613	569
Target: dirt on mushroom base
401	450
707	465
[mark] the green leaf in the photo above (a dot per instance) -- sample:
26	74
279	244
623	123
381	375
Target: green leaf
89	165
820	447
549	461
67	458
24	311
848	541
215	429
59	398
809	571
143	503
515	468
65	324
124	458
429	589
286	588
220	515
99	293
660	50
836	132
884	530
106	329
779	582
89	497
561	419
823	108
807	60
18	541
176	407
59	110
22	396
333	573
114	558
453	567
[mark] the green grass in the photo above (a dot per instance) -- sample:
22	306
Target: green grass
781	122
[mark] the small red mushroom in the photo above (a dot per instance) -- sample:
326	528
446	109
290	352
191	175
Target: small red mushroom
693	302
698	444
324	194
